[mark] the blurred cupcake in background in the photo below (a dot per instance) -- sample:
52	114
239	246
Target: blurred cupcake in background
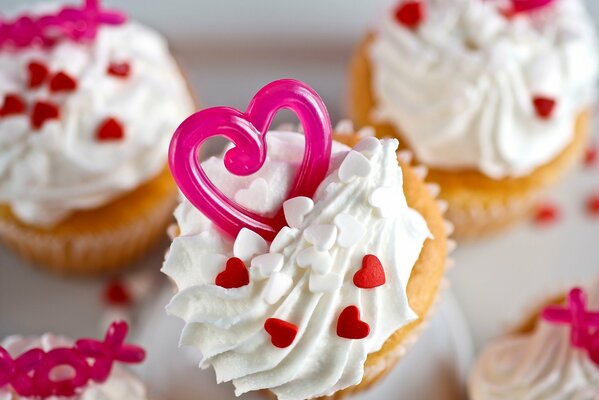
89	101
54	367
554	357
493	96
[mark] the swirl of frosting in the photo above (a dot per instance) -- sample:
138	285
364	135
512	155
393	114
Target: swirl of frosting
542	365
120	385
47	173
461	87
309	282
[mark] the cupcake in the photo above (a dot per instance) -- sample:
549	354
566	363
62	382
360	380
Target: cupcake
303	268
53	367
493	96
554	357
88	103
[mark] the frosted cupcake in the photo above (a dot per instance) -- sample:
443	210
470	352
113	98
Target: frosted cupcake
53	367
493	96
299	292
85	121
557	357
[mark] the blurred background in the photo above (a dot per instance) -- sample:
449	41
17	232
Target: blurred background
231	48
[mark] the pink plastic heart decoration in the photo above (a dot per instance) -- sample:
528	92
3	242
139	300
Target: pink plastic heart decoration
248	133
520	6
7	367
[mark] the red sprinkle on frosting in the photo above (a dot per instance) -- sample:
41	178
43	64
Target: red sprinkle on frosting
110	129
43	111
590	155
62	82
544	106
13	105
350	326
371	274
37	74
234	276
282	333
593	205
410	13
119	70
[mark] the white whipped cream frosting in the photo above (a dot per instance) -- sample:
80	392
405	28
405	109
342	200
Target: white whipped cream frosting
119	386
47	174
460	87
538	366
226	326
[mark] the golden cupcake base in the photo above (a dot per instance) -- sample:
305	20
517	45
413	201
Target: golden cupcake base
477	204
98	241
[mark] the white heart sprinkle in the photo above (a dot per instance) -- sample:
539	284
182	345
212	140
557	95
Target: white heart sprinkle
324	283
354	165
322	236
296	209
283	239
351	231
256	194
249	244
368	146
268	263
385	200
344	127
319	261
278	285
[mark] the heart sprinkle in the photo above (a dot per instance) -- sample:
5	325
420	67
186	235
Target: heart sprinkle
38	73
116	294
349	325
43	111
593	205
110	129
410	13
544	106
546	214
13	105
372	273
119	70
234	276
62	82
282	333
590	155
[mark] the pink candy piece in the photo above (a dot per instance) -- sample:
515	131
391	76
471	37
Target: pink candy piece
77	24
30	374
248	132
583	323
519	6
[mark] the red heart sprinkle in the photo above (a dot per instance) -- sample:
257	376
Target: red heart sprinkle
546	214
110	129
234	276
349	325
13	104
410	13
116	294
120	70
593	205
590	155
62	82
38	73
282	333
42	112
544	106
372	273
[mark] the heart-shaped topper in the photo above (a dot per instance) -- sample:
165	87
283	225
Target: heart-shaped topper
519	6
248	133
